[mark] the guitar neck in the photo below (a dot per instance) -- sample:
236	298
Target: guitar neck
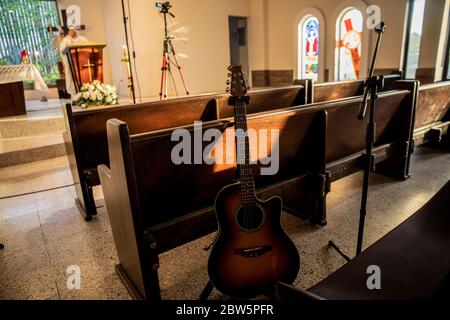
243	152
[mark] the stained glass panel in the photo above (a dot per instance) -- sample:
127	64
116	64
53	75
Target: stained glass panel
349	30
309	49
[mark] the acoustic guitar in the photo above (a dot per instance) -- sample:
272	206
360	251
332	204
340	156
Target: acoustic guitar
252	251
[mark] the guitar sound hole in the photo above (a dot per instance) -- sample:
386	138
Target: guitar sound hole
250	218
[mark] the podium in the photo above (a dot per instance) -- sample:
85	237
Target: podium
85	62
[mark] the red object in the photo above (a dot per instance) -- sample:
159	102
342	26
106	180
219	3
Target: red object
24	54
355	54
315	45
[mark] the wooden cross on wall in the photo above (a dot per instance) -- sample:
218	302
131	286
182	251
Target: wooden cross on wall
65	26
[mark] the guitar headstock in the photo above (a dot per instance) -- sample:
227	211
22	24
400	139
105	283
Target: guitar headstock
238	87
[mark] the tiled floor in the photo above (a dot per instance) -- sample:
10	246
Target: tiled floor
44	234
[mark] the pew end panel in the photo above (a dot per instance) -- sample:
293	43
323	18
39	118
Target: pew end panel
401	130
83	186
122	203
307	96
433	115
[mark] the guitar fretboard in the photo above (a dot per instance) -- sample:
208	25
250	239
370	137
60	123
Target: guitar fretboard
243	153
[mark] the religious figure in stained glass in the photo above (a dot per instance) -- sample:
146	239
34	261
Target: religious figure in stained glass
310	48
349	29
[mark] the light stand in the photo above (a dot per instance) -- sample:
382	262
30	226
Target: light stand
128	60
168	55
372	85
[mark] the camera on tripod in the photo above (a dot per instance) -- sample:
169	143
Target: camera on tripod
164	6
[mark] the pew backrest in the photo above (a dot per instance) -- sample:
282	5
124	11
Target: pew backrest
191	187
329	91
346	133
89	126
433	104
267	100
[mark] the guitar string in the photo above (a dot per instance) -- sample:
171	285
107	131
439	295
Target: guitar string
239	128
247	184
244	207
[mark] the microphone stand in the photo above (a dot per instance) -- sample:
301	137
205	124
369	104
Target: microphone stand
371	85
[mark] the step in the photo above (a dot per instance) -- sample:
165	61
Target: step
21	150
27	127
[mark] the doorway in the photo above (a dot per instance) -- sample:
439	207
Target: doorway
239	42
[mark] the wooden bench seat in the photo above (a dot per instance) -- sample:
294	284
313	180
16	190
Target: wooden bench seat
86	141
153	203
422	243
152	211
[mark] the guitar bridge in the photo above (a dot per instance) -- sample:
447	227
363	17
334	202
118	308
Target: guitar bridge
254	252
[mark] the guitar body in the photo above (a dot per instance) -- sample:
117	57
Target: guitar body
252	251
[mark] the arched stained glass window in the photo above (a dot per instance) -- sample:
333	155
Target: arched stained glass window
349	28
308	48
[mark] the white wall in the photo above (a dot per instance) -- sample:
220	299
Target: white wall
284	16
272	28
92	18
207	46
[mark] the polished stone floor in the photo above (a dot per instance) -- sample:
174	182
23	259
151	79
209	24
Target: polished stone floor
44	234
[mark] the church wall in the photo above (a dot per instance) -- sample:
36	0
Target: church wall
283	18
91	16
272	37
206	45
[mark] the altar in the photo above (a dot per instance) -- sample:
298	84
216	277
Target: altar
12	90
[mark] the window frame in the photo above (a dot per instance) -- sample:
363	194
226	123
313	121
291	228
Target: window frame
338	36
301	42
446	73
408	36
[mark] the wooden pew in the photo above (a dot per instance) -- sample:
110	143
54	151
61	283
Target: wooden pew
433	114
268	99
86	141
155	205
394	118
328	91
150	208
414	260
85	136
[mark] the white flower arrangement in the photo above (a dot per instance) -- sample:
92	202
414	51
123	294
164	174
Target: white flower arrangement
96	94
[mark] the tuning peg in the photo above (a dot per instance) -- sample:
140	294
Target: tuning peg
228	82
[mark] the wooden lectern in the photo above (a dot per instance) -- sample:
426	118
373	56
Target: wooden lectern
85	62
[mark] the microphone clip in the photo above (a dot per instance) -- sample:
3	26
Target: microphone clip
371	86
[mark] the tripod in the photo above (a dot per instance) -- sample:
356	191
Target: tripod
169	59
372	85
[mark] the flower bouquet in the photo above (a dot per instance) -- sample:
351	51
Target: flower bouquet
96	94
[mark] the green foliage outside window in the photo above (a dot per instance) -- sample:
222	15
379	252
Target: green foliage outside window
23	26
